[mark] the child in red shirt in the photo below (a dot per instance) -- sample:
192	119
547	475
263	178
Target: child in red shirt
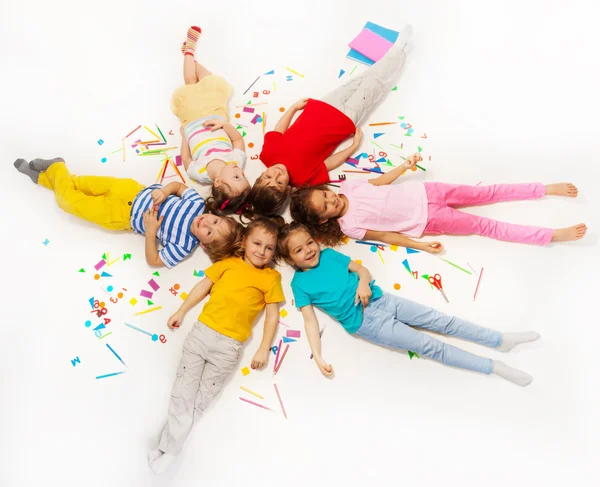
300	154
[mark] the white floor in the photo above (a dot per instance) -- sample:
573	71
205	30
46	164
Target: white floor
504	91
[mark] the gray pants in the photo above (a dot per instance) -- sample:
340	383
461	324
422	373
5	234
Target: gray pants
360	94
207	360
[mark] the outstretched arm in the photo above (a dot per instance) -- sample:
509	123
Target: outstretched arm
197	294
395	238
186	155
286	119
261	357
390	176
336	160
311	325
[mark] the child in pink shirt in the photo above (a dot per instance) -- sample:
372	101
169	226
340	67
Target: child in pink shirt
375	209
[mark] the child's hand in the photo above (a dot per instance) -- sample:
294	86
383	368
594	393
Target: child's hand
151	221
300	104
413	160
260	359
325	368
182	130
158	196
432	247
363	293
357	138
214	124
175	320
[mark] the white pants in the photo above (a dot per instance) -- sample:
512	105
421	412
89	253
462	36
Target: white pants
360	94
208	358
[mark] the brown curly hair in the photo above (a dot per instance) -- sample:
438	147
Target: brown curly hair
218	196
271	225
229	246
328	233
264	200
285	232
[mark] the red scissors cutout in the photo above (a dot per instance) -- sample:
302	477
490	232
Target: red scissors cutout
436	281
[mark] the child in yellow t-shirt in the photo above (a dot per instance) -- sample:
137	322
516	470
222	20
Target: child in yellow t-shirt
240	287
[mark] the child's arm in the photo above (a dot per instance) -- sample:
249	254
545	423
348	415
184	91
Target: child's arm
186	155
311	325
261	357
336	160
286	120
237	141
197	294
395	238
363	291
391	176
160	195
152	223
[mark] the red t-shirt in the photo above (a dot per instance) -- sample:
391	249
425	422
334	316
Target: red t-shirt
311	139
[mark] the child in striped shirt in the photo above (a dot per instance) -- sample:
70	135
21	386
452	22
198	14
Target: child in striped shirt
173	214
212	150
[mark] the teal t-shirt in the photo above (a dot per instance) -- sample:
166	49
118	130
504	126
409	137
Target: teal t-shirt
332	287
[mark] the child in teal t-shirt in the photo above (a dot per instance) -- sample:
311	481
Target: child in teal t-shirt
313	286
337	285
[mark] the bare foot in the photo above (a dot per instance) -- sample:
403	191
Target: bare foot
562	189
575	232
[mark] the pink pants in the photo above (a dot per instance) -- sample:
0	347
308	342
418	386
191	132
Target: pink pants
443	217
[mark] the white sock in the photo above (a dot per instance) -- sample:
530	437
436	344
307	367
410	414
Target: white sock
510	340
160	464
153	455
515	376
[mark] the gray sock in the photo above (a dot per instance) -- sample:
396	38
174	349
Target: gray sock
44	164
23	167
510	340
516	376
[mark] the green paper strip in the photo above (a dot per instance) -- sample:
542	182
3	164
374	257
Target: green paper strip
161	134
396	146
457	266
421	168
375	143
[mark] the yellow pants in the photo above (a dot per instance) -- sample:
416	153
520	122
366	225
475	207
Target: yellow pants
105	201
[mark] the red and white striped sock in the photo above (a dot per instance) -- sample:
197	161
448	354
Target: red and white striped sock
189	46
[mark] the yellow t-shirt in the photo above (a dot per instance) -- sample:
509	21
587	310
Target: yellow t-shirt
239	292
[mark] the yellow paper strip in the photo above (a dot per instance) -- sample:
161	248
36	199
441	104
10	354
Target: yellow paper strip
148	311
251	392
152	133
295	72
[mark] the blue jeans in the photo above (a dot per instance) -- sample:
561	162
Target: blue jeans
388	321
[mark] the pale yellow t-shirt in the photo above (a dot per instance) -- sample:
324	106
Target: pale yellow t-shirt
239	292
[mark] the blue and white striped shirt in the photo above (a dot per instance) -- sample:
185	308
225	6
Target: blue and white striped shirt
174	232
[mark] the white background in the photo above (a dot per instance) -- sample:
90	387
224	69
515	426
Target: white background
505	91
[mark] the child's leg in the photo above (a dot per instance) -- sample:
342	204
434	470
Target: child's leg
192	71
181	415
381	327
443	219
421	316
107	212
189	398
457	195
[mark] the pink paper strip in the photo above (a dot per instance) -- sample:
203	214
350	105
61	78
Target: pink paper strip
145	294
249	109
370	45
100	265
153	285
255	119
293	334
178	160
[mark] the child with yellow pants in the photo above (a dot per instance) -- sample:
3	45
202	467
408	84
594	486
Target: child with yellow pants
173	214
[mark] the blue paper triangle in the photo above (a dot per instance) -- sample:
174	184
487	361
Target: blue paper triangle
378	135
412	251
405	264
92	302
288	340
381	159
377	170
341	73
105	274
271	72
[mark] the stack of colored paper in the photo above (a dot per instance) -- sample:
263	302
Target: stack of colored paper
371	44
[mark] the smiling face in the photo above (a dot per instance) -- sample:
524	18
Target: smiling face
277	177
327	204
209	228
234	178
259	247
304	252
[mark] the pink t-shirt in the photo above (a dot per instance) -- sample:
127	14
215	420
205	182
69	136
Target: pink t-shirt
390	208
